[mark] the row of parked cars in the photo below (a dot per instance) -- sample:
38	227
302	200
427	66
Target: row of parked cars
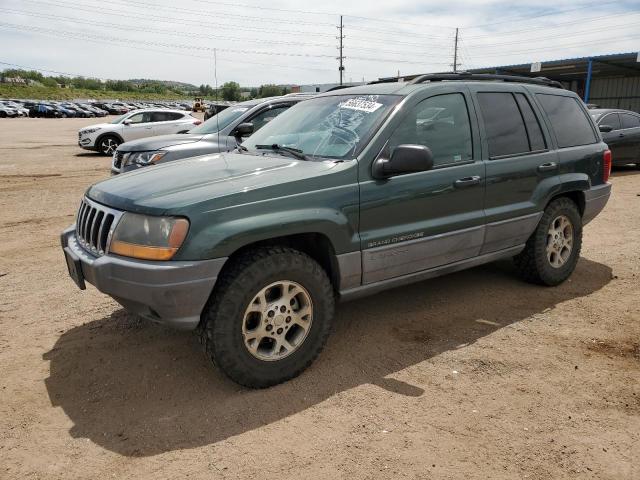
89	109
251	226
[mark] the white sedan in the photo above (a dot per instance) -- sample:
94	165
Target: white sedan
105	137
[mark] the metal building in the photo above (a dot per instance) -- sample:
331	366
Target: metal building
609	81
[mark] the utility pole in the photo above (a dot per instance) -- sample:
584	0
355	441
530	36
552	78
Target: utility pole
341	57
455	53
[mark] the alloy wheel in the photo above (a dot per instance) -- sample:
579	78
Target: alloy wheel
559	241
277	320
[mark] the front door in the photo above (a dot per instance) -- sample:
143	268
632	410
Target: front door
415	222
621	150
139	126
631	131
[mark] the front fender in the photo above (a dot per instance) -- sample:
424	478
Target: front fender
223	238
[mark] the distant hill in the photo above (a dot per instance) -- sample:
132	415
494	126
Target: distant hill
167	83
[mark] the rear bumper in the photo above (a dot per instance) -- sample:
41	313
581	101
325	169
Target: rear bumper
595	200
171	293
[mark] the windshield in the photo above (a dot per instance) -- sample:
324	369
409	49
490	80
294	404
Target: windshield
120	118
220	121
333	127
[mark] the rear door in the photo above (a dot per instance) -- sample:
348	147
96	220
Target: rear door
520	165
415	222
166	123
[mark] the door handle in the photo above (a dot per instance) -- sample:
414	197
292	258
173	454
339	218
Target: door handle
467	182
621	135
148	128
545	167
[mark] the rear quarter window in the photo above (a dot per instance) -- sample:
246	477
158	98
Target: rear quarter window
568	120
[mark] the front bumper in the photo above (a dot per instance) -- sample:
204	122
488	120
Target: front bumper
173	293
595	200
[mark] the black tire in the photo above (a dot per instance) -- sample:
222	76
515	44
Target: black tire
533	263
107	144
224	316
3	114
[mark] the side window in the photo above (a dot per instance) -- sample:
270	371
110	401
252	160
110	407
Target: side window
612	120
175	116
629	121
503	123
440	123
264	117
142	117
570	123
536	138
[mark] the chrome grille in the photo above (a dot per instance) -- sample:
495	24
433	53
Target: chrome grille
94	226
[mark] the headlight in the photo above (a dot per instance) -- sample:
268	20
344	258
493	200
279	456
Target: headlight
89	130
144	158
148	238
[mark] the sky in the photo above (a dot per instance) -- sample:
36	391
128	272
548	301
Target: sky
296	42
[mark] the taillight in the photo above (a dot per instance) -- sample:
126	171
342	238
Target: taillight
606	164
197	122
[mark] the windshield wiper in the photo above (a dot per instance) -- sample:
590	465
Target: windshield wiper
242	148
296	152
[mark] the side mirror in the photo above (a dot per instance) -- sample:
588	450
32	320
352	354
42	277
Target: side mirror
243	130
127	122
606	128
404	159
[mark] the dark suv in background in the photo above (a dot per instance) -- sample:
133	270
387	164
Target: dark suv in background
344	195
220	133
621	131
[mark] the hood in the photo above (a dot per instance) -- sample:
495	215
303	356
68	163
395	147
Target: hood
98	125
159	142
211	181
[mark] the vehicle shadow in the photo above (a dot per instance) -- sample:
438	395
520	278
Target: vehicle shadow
92	155
139	389
624	170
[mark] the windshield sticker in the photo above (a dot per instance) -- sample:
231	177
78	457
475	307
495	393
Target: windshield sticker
361	104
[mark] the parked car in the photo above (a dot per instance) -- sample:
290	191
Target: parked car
42	110
621	131
218	134
215	108
7	112
105	137
341	196
110	108
21	111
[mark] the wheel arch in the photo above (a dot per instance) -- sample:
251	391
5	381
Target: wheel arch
109	134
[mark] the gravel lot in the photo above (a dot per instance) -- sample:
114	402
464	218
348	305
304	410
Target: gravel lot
475	375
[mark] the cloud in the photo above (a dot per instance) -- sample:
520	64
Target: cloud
175	41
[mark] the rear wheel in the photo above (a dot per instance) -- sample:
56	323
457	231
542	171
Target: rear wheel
108	144
269	316
552	252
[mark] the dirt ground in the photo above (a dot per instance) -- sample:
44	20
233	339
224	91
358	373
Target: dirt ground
476	375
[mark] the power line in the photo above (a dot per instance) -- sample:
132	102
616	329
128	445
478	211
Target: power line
183	21
522	18
168	32
581	21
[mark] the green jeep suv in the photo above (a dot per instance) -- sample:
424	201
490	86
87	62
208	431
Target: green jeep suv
344	195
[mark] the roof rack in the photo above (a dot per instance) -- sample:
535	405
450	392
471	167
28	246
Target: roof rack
438	77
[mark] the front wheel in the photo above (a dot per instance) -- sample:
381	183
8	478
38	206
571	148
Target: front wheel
552	252
269	316
108	145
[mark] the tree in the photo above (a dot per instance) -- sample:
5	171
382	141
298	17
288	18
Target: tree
269	91
231	91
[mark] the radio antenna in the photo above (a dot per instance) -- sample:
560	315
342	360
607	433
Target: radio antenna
215	78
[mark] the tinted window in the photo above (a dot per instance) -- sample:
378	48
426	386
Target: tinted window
612	120
629	121
503	124
440	123
264	117
175	116
536	138
570	124
160	116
